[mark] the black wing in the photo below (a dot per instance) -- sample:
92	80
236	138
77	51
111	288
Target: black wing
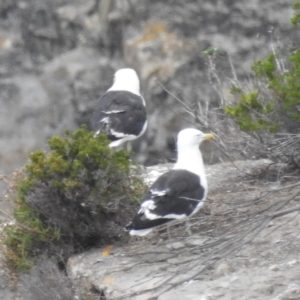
121	112
175	193
183	192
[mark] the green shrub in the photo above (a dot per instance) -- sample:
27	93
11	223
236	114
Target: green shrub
296	18
267	107
251	113
255	111
80	194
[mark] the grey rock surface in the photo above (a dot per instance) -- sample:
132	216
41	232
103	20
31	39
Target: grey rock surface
267	268
57	57
185	268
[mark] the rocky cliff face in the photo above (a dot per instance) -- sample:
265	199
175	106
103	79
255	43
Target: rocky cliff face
262	263
244	245
57	57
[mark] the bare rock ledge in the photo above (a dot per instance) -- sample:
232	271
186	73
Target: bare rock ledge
157	268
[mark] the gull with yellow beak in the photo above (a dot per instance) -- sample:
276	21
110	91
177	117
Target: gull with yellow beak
179	193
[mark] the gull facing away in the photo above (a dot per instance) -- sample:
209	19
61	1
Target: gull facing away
176	194
121	112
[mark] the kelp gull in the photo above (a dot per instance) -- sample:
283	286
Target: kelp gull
121	111
179	193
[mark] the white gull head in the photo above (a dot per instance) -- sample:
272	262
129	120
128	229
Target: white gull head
189	155
126	80
191	138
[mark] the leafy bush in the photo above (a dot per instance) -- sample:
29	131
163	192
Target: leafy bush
270	110
256	110
80	194
251	113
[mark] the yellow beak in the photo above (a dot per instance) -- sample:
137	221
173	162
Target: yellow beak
209	137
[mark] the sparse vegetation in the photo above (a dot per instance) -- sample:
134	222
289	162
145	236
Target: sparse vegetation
257	117
269	110
79	195
82	193
250	113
